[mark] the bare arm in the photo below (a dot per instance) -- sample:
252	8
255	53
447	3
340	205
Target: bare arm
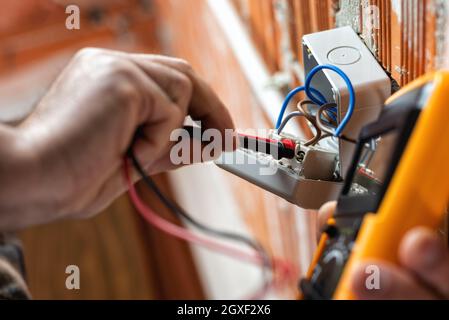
65	160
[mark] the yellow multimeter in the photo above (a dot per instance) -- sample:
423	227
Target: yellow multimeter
399	179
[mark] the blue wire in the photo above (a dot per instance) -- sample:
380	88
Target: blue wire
290	96
310	93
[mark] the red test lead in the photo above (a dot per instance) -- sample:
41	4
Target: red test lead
278	149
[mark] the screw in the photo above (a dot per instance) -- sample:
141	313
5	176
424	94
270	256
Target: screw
300	156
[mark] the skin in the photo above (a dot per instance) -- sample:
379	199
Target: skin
423	274
65	160
67	156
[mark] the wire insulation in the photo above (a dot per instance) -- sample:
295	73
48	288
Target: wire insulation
180	232
305	106
289	97
318	98
310	92
287	119
254	257
320	113
182	214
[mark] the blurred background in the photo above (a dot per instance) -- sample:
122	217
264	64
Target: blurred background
249	51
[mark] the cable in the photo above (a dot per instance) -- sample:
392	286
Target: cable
180	232
302	108
319	99
319	114
289	97
317	124
260	258
310	92
303	105
287	119
186	235
325	136
326	129
297	114
181	213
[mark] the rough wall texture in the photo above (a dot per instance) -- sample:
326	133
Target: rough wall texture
119	256
407	36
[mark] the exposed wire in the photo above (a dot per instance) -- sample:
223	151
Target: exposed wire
310	92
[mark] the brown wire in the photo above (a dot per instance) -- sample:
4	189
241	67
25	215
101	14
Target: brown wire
326	115
319	115
312	120
325	136
325	128
322	131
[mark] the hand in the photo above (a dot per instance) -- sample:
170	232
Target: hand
423	274
73	144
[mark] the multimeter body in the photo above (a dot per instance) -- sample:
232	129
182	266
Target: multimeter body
398	180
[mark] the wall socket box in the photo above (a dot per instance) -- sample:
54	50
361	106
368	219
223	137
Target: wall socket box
308	180
343	48
315	175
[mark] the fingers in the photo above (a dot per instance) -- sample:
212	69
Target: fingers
186	89
162	118
424	273
205	106
174	83
394	283
188	151
423	253
325	213
101	196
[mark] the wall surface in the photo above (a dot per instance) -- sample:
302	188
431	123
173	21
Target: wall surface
119	256
288	232
407	38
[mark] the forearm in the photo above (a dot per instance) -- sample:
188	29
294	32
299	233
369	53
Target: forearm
65	161
17	179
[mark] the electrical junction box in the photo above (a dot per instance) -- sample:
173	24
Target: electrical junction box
343	48
308	180
314	174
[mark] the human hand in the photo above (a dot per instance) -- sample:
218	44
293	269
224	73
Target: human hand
423	273
75	140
